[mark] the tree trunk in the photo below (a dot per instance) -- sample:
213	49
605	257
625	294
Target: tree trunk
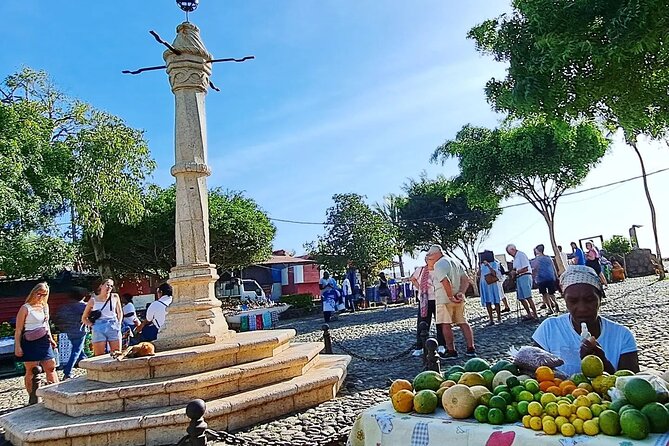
104	269
401	264
653	218
551	234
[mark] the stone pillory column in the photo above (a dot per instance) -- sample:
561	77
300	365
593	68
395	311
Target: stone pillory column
194	317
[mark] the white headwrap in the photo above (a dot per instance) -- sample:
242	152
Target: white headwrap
580	274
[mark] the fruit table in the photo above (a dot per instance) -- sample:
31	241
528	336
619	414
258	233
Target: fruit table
381	425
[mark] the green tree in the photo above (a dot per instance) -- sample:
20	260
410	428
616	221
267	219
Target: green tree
438	211
389	210
240	234
603	60
536	160
354	233
34	255
617	244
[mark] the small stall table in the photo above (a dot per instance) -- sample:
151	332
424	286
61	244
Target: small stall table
381	425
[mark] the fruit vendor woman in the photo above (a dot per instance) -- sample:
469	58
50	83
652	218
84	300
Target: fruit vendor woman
564	336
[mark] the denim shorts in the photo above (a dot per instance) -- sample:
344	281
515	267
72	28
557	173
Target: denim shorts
524	287
106	330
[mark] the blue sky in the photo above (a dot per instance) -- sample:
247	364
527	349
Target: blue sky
344	96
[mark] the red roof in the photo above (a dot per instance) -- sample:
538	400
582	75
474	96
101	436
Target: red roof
279	260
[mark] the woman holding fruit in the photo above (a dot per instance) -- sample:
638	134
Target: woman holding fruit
583	331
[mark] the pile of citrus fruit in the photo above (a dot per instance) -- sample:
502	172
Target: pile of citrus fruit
578	405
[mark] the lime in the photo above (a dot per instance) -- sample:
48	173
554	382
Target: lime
522	407
617	404
512	382
594	398
455	376
547	398
485	399
511	415
592	366
495	416
537	396
551	409
507	397
634	424
515	391
658	417
497	402
525	396
500	388
596	409
481	414
488	376
579	378
609	422
531	385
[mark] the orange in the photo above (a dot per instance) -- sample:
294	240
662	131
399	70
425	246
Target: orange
544	373
399	384
555	390
579	392
403	401
558	381
544	385
566	382
568	389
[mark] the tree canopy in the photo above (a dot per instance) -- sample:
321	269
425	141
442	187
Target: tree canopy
389	210
439	211
354	232
536	160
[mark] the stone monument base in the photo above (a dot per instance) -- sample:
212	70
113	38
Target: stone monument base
247	379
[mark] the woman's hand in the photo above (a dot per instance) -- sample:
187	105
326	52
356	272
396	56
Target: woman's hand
18	351
590	346
53	343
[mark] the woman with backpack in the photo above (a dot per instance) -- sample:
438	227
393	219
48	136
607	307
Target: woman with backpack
103	315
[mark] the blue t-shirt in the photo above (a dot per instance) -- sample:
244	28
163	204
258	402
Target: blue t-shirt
557	335
545	269
579	256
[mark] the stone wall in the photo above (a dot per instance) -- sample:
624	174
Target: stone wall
638	263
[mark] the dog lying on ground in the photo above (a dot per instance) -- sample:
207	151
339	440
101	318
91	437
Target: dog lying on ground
135	351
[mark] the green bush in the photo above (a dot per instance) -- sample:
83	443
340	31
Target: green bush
298	300
617	245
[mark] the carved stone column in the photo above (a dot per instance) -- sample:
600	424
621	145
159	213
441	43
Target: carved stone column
194	317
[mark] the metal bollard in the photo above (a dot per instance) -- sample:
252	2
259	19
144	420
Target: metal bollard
196	428
327	339
423	333
431	355
32	396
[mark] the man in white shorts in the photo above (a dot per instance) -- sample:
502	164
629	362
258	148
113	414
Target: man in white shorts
448	277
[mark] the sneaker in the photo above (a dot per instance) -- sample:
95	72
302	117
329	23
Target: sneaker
542	307
506	310
449	355
417	353
441	350
470	352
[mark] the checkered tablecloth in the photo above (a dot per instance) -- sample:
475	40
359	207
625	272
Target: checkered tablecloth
381	425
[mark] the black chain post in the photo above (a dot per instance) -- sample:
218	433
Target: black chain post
196	428
32	396
423	333
431	355
327	339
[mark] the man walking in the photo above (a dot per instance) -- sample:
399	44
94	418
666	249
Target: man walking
450	283
522	271
546	279
422	281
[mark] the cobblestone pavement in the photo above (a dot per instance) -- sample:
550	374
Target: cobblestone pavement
640	304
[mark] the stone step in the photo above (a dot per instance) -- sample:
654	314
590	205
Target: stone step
38	426
81	397
242	348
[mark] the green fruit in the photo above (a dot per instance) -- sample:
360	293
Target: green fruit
624	373
455	376
476	365
513	368
639	392
488	376
516	391
453	369
625	408
440	394
658	417
499	389
537	396
522	407
511	414
609	422
481	414
497	402
531	385
525	396
495	416
579	378
617	404
499	365
634	424
485	399
425	401
429	380
512	382
507	397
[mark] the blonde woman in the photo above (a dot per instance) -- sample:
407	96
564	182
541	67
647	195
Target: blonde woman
33	343
103	313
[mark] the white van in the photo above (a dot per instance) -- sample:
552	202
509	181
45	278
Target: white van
246	290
